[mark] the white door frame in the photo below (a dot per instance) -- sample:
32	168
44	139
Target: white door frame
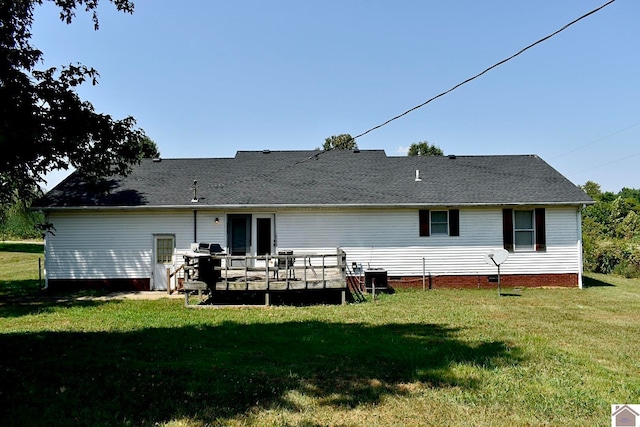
159	270
254	235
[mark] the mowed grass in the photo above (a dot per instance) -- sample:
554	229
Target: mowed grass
447	357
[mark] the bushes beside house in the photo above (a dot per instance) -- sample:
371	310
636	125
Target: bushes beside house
19	222
611	232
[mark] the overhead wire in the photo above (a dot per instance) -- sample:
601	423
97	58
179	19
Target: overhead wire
605	164
593	142
497	64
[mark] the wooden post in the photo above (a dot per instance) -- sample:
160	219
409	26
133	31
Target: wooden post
267	299
246	272
169	281
266	268
286	269
226	271
306	284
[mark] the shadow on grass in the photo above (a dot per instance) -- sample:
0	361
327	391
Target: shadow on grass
24	297
30	248
590	282
219	373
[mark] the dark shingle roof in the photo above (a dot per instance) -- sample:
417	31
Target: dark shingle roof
333	178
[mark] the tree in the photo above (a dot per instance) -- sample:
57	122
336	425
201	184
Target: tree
44	125
424	149
592	189
17	221
149	148
343	141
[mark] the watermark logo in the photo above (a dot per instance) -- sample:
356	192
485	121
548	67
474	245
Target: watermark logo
625	415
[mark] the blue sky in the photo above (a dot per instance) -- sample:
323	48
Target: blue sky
205	78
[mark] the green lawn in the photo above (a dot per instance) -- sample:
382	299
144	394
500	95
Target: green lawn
447	357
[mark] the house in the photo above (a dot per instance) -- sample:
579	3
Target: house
415	217
624	416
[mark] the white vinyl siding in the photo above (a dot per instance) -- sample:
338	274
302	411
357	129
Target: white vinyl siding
387	239
119	244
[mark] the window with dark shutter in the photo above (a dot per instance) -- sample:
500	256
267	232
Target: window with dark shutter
424	222
541	236
443	223
507	229
454	222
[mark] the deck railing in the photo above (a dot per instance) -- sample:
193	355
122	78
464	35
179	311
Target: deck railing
298	270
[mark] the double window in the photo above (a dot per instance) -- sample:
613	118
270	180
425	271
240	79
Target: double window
439	222
524	229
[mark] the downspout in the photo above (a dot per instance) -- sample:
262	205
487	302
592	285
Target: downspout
195	226
580	261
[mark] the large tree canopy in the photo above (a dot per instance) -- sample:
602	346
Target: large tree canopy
44	125
424	149
343	141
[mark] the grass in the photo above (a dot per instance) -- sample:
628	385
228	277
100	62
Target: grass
446	357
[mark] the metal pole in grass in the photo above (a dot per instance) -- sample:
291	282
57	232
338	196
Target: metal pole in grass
497	257
373	288
424	273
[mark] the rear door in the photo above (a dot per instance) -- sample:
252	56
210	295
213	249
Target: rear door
239	236
163	259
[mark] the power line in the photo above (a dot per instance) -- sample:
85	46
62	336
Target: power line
316	155
606	164
597	140
486	70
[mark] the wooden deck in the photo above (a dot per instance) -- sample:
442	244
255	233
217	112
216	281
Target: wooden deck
217	273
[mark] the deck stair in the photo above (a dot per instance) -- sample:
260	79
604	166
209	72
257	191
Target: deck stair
355	281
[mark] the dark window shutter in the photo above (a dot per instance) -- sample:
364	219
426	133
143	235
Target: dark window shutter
507	229
541	234
454	222
424	222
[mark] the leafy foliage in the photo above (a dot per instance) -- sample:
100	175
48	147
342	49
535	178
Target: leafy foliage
44	124
611	231
424	148
18	222
149	148
343	141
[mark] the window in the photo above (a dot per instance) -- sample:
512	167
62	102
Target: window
164	250
441	223
524	230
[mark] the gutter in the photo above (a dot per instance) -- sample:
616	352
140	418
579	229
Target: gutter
306	206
